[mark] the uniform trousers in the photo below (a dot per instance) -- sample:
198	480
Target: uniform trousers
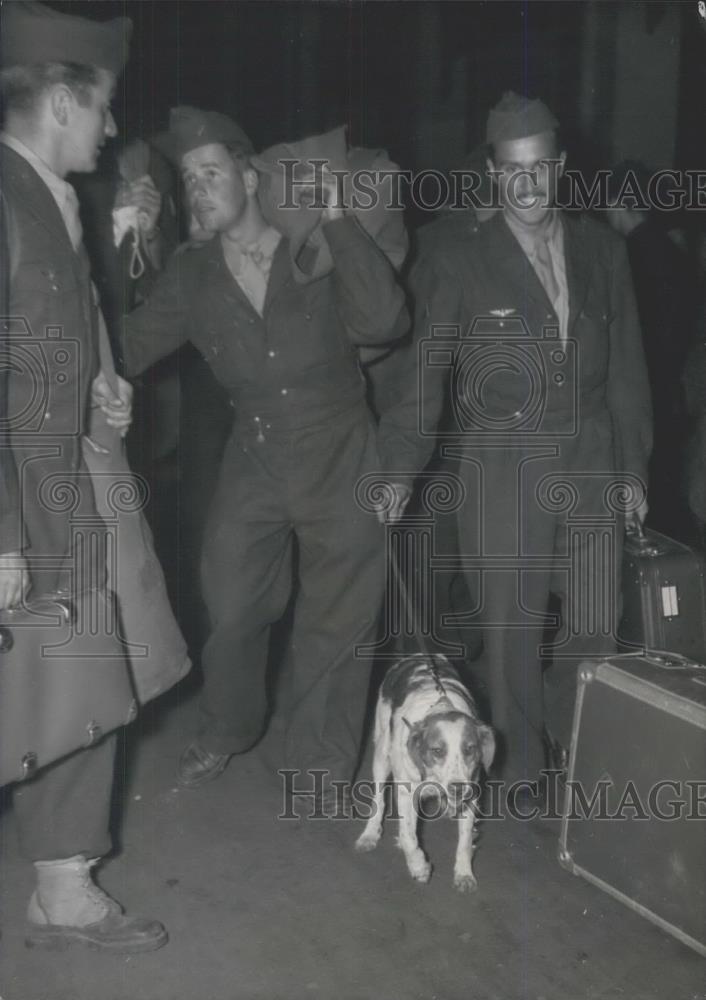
65	809
277	484
538	520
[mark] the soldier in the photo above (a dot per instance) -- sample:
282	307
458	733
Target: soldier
58	77
567	280
287	354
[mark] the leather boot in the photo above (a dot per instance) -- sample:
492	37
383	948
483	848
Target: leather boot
68	907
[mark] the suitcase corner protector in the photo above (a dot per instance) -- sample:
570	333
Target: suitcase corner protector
587	673
566	860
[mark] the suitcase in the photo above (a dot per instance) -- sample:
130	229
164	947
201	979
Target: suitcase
640	721
664	602
64	680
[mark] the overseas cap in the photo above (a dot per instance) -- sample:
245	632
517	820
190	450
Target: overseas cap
190	128
516	117
34	33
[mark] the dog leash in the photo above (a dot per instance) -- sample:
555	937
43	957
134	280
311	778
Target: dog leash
411	613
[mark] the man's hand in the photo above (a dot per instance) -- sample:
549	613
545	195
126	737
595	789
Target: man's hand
394	512
332	196
642	511
14	579
117	408
321	187
143	194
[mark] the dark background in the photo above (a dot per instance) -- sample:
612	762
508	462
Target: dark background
418	78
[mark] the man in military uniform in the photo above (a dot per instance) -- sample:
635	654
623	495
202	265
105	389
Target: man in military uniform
530	271
58	77
287	353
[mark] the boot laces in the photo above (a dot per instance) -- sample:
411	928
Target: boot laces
94	892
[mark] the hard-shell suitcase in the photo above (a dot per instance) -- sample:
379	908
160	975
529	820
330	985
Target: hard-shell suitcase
634	819
664	597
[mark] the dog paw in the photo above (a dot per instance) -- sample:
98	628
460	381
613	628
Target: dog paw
421	871
367	842
465	883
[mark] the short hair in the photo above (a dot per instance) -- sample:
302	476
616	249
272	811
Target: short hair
22	86
240	159
238	156
558	138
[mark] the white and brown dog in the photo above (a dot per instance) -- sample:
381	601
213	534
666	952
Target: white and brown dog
429	739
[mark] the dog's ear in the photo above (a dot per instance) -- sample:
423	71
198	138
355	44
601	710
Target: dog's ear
487	746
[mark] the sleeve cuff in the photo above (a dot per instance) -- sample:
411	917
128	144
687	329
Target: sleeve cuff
343	233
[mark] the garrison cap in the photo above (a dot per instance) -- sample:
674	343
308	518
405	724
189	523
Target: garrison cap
190	128
517	117
34	33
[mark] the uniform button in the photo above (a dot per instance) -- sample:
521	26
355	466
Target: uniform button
501	324
47	415
284	392
251	321
271	354
307	315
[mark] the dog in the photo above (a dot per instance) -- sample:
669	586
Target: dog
429	738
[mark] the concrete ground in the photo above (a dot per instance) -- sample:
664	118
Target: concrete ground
266	909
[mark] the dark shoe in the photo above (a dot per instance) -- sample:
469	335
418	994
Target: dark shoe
115	932
557	756
197	766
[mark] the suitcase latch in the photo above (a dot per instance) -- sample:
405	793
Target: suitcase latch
29	764
670	601
94	733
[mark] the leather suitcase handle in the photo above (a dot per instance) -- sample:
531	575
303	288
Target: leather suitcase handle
61	602
673	661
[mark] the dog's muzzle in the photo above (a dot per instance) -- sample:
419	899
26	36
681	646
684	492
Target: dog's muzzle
461	794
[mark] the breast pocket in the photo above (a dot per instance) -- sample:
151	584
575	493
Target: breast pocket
592	332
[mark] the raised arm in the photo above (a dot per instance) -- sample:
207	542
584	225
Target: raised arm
371	302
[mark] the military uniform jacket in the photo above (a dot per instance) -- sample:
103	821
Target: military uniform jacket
295	366
49	340
478	279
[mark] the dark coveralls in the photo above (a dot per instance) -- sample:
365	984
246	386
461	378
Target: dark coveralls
582	429
303	436
65	809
